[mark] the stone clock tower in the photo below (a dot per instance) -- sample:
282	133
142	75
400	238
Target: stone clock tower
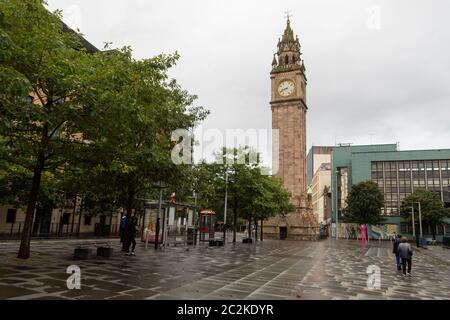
289	107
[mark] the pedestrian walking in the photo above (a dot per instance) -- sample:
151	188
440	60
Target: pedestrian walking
123	223
132	229
405	252
396	243
363	233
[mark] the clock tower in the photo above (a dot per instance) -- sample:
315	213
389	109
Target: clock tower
289	107
288	102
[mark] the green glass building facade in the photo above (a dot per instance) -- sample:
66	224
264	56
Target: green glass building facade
397	173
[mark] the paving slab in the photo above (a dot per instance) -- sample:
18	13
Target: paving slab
327	269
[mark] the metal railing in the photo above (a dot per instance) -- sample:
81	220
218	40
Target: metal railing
59	230
12	230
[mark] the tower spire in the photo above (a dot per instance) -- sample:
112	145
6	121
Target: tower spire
288	53
288	14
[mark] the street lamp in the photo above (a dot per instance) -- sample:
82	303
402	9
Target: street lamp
420	223
195	221
337	210
161	186
225	206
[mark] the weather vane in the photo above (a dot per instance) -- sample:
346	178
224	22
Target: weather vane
288	14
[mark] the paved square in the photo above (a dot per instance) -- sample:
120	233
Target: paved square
328	269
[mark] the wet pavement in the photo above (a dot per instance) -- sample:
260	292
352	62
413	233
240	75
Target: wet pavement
327	269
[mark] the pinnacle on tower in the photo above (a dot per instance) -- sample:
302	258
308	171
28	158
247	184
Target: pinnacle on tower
274	61
289	50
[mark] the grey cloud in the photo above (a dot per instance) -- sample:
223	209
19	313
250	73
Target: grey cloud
365	85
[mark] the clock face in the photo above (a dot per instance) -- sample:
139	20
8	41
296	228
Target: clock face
286	88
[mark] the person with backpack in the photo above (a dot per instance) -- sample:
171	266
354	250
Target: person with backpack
123	223
405	252
396	243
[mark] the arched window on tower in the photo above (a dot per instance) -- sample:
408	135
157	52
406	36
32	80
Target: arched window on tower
286	60
293	59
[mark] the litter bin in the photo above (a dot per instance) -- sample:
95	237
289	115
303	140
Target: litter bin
423	242
446	241
190	236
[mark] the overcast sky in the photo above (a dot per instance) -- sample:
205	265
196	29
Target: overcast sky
378	71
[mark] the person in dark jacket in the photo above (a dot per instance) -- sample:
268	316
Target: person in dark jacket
132	230
405	252
123	223
395	251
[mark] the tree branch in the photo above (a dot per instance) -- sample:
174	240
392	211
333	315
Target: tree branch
56	128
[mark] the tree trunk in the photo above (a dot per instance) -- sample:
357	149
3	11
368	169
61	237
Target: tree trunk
79	217
110	224
73	215
24	250
262	221
256	229
128	219
250	227
433	230
234	222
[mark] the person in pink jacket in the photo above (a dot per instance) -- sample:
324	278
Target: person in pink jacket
363	233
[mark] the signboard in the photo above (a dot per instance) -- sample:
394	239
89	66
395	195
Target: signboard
190	218
171	216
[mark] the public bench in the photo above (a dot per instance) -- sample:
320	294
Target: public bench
446	242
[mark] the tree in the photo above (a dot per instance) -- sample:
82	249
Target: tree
137	146
252	195
432	209
38	129
104	109
272	200
364	204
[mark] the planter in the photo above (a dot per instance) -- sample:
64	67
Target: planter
216	243
105	252
247	240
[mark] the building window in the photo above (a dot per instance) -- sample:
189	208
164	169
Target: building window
403	228
87	220
398	179
11	216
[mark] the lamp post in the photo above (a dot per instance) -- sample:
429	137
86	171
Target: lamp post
420	224
225	206
413	224
337	210
195	216
420	219
161	186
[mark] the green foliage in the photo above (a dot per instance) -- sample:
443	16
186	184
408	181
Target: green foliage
15	184
251	194
432	209
364	204
99	123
